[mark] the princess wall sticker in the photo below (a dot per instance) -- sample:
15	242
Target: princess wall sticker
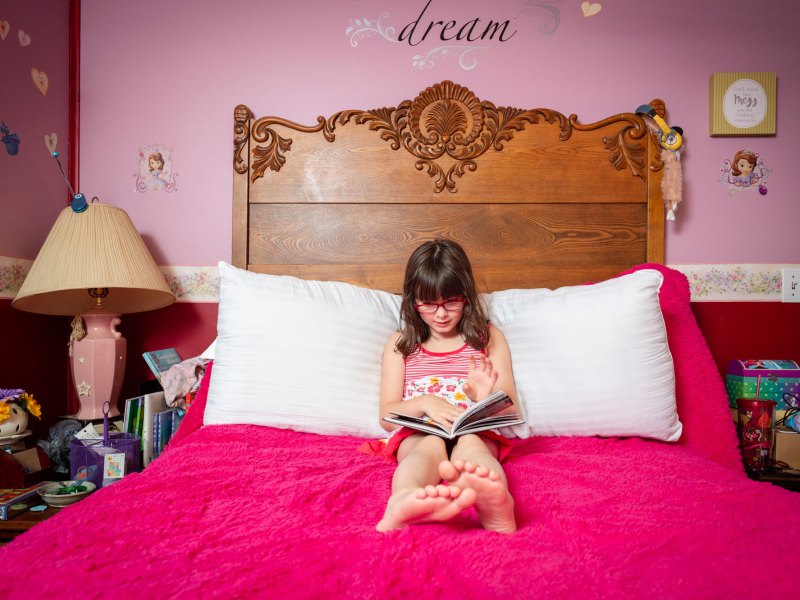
746	171
155	169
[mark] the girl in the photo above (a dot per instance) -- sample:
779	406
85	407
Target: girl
445	358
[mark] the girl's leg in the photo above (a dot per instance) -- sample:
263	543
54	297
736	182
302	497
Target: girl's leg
415	495
473	464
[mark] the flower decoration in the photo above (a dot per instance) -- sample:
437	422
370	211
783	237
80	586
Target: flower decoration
19	398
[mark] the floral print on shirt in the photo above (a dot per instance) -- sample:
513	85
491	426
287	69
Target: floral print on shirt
449	388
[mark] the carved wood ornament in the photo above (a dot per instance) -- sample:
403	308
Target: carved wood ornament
446	119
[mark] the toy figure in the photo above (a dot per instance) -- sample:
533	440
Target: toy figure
11	140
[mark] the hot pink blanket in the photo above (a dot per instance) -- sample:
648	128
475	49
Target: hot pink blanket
248	511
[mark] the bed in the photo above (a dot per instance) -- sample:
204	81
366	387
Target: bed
262	493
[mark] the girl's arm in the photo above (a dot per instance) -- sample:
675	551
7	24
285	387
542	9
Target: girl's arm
498	351
393	372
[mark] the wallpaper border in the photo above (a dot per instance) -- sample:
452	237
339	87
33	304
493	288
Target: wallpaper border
708	283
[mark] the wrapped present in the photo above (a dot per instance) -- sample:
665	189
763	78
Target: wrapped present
777	380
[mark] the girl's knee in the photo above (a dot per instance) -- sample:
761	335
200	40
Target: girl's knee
421	444
472	444
470	440
434	444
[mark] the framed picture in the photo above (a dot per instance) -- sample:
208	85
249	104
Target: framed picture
742	104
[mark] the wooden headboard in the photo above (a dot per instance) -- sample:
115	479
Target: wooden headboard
536	198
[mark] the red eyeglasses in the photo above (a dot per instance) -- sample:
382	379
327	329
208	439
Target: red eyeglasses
450	305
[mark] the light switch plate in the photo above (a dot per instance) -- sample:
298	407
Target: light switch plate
790	285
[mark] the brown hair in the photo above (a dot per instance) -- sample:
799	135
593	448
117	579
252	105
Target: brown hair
745	154
438	270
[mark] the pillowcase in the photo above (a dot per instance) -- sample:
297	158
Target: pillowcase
591	360
295	354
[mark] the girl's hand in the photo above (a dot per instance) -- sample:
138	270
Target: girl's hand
440	410
481	378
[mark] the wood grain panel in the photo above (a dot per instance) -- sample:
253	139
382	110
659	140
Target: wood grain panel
347	234
533	167
502	240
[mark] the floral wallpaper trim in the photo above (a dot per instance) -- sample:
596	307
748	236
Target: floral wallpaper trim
708	283
12	273
742	283
193	284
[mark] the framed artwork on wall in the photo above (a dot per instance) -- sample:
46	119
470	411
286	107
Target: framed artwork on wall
742	103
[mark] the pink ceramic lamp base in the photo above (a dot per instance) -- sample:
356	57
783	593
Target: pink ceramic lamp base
98	364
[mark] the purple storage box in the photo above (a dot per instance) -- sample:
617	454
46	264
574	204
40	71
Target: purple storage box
778	377
90	454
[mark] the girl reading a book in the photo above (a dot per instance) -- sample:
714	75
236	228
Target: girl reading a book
445	358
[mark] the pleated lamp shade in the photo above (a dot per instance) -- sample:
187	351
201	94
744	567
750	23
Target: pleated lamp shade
96	248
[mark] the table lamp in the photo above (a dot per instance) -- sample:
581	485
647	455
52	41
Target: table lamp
94	264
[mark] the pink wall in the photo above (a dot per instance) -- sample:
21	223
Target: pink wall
32	191
171	73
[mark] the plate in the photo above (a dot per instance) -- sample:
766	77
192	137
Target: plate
10	439
48	493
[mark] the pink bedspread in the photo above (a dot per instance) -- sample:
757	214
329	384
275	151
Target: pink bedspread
248	511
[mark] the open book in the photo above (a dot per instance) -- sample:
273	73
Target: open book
479	417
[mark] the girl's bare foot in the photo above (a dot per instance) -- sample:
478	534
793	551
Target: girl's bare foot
494	503
431	503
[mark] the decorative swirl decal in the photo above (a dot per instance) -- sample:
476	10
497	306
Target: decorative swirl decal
467	32
361	28
465	59
552	15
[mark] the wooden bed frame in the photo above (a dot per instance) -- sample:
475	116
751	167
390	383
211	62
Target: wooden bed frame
537	199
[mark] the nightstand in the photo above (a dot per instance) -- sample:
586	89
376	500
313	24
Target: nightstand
785	478
24	520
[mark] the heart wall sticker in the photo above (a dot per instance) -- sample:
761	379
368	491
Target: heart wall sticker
5	27
41	80
24	38
590	9
51	141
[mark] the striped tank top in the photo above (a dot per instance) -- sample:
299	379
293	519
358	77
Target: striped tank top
440	373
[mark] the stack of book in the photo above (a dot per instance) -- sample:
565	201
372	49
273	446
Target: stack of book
153	421
165	425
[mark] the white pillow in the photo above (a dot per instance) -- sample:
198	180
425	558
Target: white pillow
295	354
591	360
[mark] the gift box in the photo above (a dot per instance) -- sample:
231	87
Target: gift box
779	381
787	447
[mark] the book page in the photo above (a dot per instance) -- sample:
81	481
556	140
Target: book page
490	405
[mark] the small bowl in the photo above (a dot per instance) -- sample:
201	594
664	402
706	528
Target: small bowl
48	493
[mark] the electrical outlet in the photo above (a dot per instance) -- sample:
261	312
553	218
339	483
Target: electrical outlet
790	285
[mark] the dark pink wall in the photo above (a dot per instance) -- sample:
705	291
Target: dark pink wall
32	190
